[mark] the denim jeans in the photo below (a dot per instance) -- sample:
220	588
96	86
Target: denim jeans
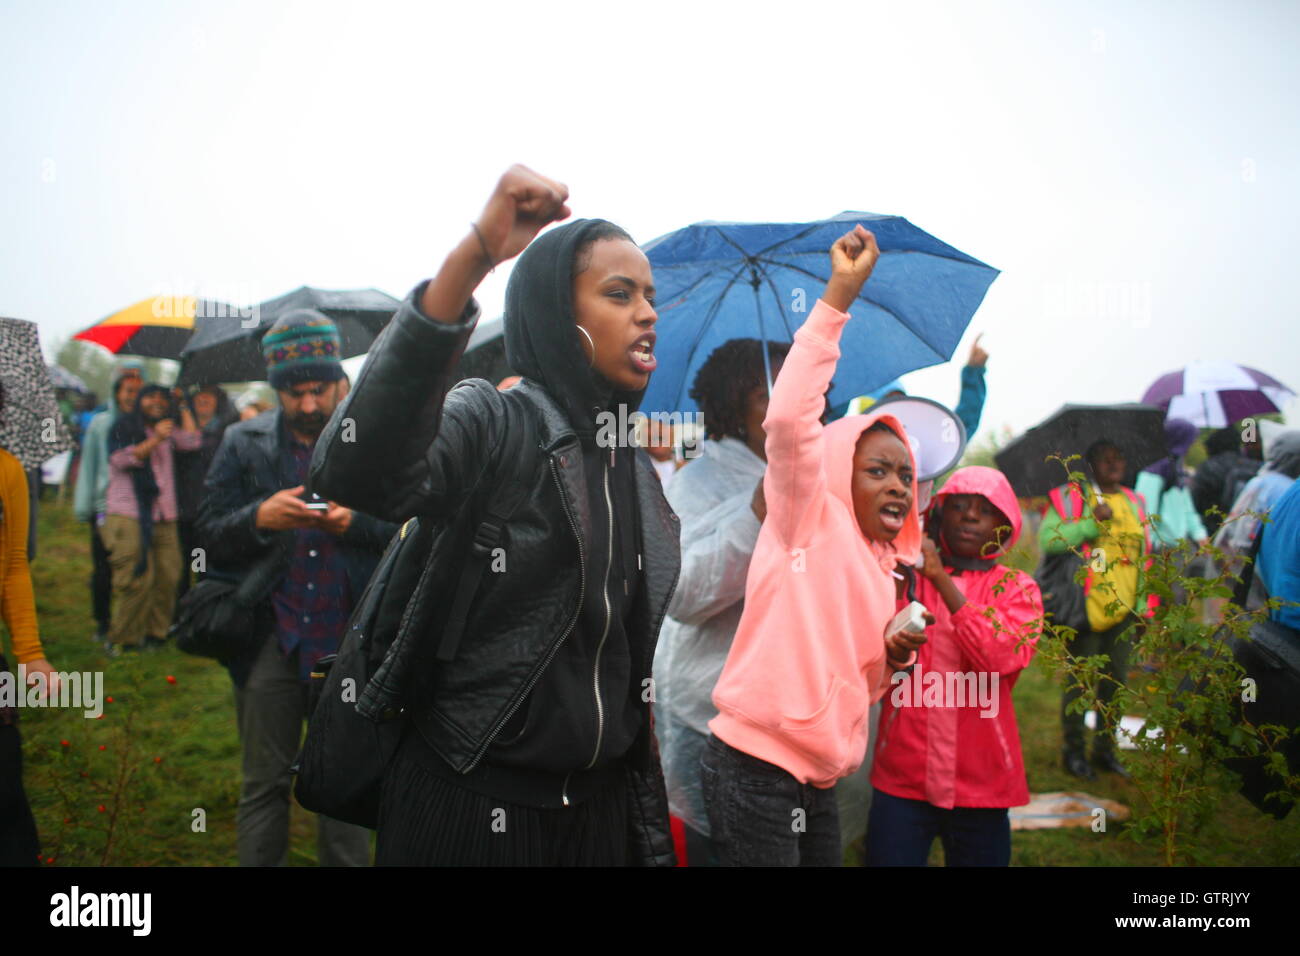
901	831
760	815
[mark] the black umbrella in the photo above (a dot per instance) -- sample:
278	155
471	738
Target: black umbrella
1138	431
228	347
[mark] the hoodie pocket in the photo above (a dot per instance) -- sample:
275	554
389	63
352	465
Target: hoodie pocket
829	735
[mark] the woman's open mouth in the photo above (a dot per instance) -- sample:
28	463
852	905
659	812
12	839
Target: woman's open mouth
892	516
642	352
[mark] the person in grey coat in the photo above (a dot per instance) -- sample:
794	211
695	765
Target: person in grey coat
719	499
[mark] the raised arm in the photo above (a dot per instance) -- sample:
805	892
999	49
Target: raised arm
398	445
796	475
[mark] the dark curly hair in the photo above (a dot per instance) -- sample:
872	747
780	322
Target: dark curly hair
724	381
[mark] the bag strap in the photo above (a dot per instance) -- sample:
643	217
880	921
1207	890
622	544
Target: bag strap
508	495
1241	593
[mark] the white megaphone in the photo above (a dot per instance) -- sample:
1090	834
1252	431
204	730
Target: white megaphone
937	437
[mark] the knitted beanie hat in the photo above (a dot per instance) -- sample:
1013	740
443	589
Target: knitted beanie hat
302	346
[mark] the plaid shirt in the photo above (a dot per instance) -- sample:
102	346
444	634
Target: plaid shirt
312	603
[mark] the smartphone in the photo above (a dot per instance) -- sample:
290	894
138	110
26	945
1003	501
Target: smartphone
316	503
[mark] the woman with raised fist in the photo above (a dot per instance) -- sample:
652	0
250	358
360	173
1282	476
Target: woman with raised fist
529	742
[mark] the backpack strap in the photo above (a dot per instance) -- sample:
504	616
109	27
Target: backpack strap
517	456
1071	508
1139	507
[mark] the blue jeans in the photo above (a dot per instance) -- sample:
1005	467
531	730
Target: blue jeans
759	815
901	831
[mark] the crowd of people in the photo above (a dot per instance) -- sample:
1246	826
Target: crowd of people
718	643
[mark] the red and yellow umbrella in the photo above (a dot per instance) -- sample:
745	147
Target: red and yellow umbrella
157	327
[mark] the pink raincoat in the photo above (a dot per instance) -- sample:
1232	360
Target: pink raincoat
808	658
948	731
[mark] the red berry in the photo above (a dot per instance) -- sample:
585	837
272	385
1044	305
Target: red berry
171	679
157	759
49	859
100	808
64	743
102	747
109	699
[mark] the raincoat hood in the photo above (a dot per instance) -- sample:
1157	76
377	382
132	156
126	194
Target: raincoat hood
1284	454
993	485
841	441
542	339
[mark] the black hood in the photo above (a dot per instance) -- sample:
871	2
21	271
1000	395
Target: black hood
542	340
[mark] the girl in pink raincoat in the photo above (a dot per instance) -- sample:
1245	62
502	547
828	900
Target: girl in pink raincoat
948	760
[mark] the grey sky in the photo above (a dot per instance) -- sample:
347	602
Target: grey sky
1132	168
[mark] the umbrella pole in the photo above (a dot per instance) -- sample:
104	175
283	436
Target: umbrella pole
762	332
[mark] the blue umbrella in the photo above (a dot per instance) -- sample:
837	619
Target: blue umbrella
723	280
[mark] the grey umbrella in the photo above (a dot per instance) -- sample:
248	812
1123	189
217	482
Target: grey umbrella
31	426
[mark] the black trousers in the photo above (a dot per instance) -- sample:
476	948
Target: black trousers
187	532
19	845
425	820
101	581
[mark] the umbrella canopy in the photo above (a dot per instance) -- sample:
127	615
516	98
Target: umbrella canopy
157	327
1028	462
1217	394
31	426
228	348
717	281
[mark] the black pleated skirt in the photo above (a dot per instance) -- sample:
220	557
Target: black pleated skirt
425	820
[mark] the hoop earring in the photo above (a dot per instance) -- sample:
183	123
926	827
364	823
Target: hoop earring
592	362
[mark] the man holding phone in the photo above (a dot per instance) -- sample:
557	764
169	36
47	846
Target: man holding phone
257	514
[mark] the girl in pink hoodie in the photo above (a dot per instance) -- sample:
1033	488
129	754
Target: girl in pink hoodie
809	655
948	761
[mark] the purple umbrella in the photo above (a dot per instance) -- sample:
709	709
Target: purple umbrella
1216	394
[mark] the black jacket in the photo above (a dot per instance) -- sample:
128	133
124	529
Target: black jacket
402	445
245	471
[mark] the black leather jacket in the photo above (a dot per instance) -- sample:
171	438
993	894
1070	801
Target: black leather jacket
402	444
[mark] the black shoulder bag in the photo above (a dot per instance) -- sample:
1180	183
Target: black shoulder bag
341	766
218	617
1064	602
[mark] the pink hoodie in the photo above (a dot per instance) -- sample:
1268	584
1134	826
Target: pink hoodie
809	654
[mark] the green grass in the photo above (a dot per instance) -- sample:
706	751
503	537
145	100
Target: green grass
169	748
190	725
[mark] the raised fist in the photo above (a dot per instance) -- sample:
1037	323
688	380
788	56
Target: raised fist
853	257
523	204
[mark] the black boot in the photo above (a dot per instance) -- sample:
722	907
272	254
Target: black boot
1107	761
1076	764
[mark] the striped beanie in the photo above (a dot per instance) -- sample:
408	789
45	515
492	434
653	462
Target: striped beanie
302	346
